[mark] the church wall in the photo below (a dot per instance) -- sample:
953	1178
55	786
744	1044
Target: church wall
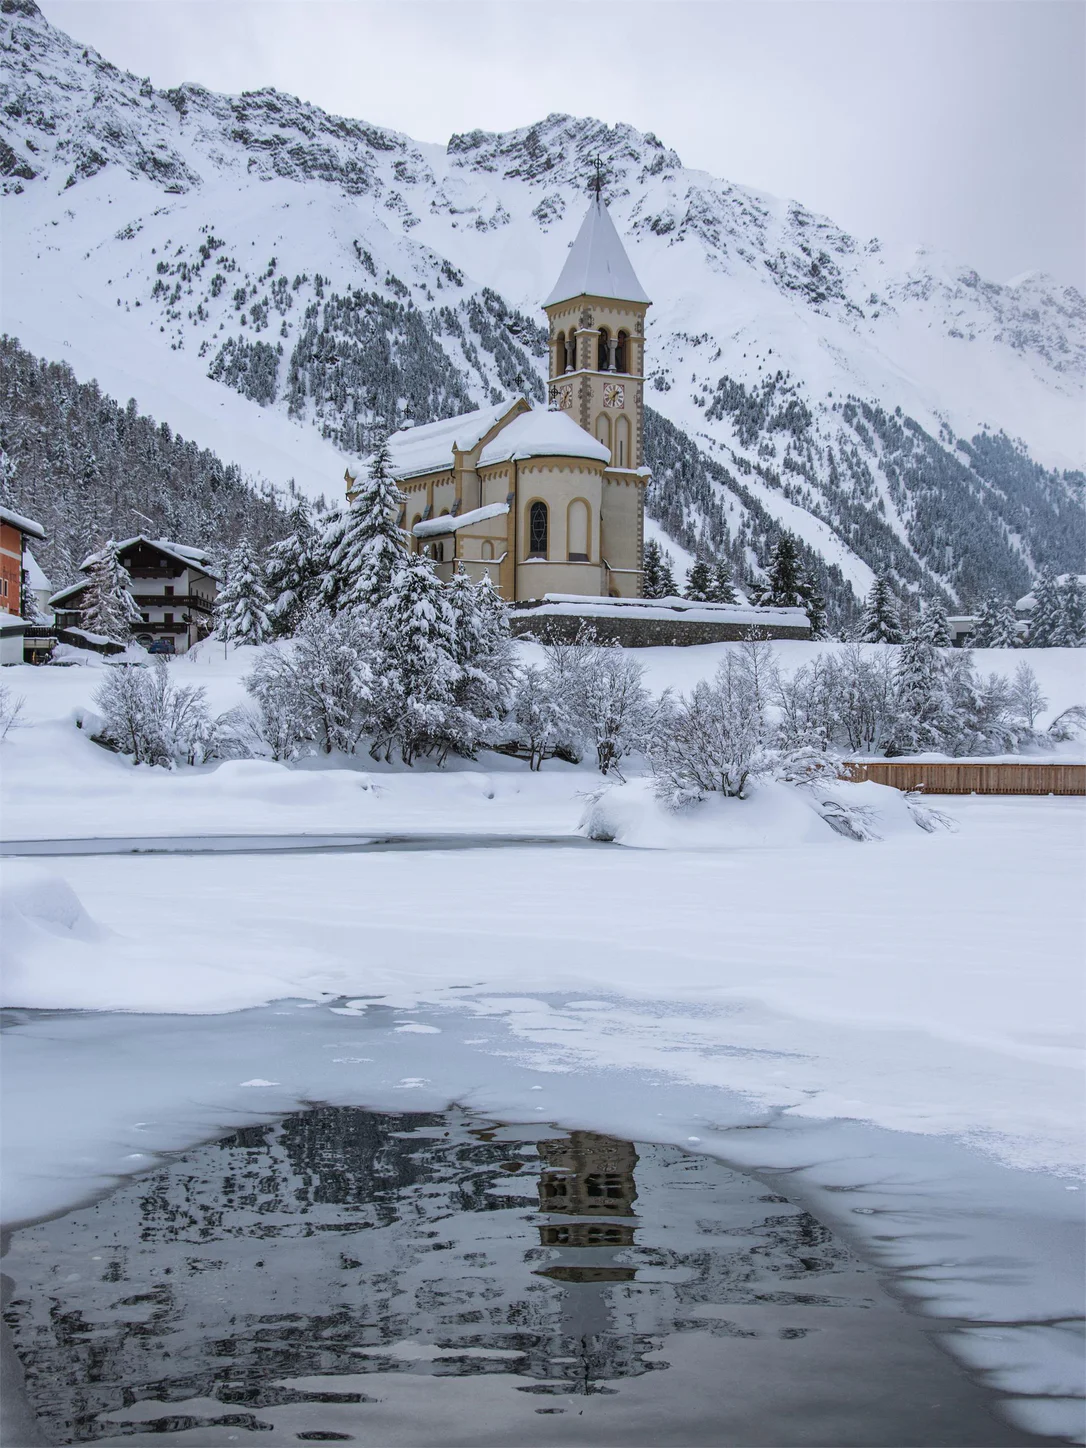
623	535
558	483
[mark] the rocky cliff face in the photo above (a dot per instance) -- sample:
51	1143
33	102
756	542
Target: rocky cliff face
284	284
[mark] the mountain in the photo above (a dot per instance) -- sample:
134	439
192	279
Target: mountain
281	285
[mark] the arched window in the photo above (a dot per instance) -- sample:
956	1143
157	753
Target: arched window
620	458
437	552
561	360
416	519
603	429
537	531
577	531
604	354
621	352
488	549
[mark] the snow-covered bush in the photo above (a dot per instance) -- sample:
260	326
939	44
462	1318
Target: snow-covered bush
317	691
11	706
145	714
538	718
599	688
719	738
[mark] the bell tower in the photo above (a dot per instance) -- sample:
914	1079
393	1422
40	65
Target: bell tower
597	339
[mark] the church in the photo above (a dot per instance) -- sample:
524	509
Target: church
547	501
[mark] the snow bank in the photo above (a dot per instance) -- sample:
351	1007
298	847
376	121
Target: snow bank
773	814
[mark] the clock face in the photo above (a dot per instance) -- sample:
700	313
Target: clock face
562	394
614	394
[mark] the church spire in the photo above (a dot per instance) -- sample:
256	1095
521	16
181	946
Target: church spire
597	264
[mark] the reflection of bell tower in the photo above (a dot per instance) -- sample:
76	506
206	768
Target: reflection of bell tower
597	339
590	1177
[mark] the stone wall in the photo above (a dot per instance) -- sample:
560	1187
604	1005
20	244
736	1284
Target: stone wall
643	633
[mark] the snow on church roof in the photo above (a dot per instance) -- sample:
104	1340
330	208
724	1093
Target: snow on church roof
597	264
428	449
540	433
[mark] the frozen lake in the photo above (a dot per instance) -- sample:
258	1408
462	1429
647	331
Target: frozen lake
434	1278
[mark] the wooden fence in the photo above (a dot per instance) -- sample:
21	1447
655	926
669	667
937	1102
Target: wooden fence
967	778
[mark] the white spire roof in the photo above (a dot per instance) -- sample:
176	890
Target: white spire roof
597	264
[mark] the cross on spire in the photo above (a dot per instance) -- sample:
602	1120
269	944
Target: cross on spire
597	180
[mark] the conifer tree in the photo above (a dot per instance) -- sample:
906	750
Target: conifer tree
814	602
987	615
667	577
933	624
241	609
653	570
368	551
1072	627
1045	622
485	662
881	622
785	583
722	590
699	582
920	695
293	572
108	607
1005	633
419	669
996	624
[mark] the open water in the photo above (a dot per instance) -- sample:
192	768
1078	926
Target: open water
433	1278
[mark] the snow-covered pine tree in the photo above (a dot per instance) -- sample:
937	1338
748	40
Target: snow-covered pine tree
699	582
372	545
293	572
933	624
721	589
996	624
814	602
881	622
667	578
987	615
1072	628
1045	622
485	659
921	696
785	582
241	609
652	578
419	668
108	607
1005	633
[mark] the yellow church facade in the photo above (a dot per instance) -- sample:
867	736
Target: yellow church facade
547	501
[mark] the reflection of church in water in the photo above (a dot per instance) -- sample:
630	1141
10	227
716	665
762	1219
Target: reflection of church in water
324	1244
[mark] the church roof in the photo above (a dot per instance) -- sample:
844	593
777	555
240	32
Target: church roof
540	433
597	264
429	448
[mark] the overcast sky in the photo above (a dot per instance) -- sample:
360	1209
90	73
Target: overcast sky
957	122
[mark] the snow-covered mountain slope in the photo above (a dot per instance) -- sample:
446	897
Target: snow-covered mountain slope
280	284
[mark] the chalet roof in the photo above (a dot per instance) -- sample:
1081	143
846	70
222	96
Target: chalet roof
541	433
179	552
24	524
597	264
429	448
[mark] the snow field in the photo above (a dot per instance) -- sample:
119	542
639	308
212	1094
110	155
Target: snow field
894	1027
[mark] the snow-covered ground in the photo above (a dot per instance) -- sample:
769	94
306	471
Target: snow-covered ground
896	1025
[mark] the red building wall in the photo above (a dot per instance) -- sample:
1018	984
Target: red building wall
11	565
